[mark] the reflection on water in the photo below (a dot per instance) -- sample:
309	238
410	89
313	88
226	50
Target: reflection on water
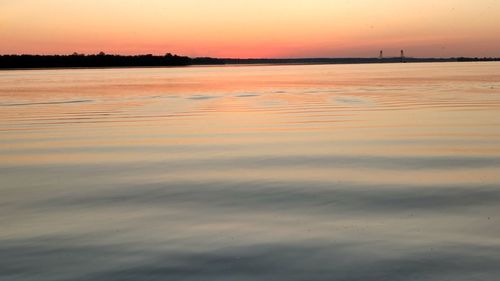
345	172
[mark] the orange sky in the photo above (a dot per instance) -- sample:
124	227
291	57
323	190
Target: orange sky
252	28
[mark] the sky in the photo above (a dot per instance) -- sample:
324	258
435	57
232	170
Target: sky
252	28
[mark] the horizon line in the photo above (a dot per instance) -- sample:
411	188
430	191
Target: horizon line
247	58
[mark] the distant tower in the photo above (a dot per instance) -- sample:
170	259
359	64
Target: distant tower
402	55
381	55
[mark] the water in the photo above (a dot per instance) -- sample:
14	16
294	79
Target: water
339	172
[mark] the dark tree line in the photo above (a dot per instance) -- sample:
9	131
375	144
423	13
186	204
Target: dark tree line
478	59
105	60
98	60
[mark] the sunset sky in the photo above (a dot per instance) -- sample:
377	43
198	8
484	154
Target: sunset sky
252	28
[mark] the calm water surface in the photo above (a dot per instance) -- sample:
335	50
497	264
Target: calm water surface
340	172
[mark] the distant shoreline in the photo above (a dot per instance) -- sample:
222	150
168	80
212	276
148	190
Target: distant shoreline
216	65
104	61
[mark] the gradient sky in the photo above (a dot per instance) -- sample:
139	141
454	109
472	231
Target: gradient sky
252	28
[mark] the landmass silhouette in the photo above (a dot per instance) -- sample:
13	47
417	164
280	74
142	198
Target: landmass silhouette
103	60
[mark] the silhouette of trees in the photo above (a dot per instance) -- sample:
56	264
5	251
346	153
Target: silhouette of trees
99	60
463	59
105	60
